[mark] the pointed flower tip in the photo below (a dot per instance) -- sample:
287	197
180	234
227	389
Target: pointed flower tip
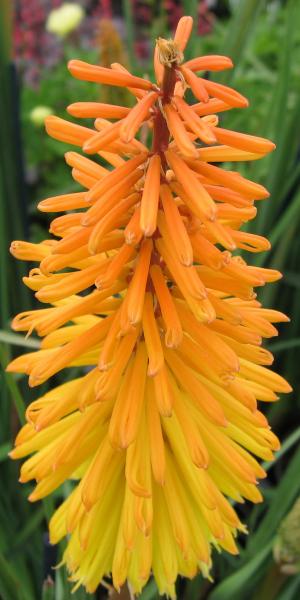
72	64
70	109
88	147
88	504
68	155
13	247
31	497
50	120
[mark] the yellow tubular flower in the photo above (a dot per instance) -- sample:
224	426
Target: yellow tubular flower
159	308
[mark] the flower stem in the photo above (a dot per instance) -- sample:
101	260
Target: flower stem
160	130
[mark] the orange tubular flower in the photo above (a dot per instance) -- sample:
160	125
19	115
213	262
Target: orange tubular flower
160	430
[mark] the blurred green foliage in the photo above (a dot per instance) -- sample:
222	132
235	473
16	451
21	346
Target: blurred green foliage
263	38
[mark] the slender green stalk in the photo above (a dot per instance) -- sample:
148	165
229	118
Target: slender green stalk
239	31
12	386
130	31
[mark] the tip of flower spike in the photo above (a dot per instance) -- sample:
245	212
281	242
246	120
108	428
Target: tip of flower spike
169	52
183	31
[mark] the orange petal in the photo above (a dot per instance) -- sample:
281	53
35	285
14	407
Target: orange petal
226	153
68	132
176	227
136	291
249	143
84	71
138	93
191	184
86	165
85	180
136	116
178	131
115	177
232	180
110	198
198	126
102	139
114	270
158	67
92	110
196	84
152	337
150	196
183	31
112	219
213	62
64	202
133	232
212	106
157	446
173	335
224	93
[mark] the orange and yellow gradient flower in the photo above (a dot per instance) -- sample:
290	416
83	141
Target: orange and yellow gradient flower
145	289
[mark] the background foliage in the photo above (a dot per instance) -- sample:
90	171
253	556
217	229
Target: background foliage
263	38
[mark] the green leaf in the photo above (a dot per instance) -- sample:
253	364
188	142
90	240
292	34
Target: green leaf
287	492
150	592
288	217
236	585
11	587
12	386
291	590
238	31
284	345
4	450
48	592
49	507
130	33
29	528
261	542
285	447
18	340
292	279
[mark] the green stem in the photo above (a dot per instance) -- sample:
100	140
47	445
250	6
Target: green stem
271	584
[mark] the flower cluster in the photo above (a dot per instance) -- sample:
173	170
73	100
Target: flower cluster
144	291
64	19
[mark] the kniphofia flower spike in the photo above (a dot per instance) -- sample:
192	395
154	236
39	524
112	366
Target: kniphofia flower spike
145	289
